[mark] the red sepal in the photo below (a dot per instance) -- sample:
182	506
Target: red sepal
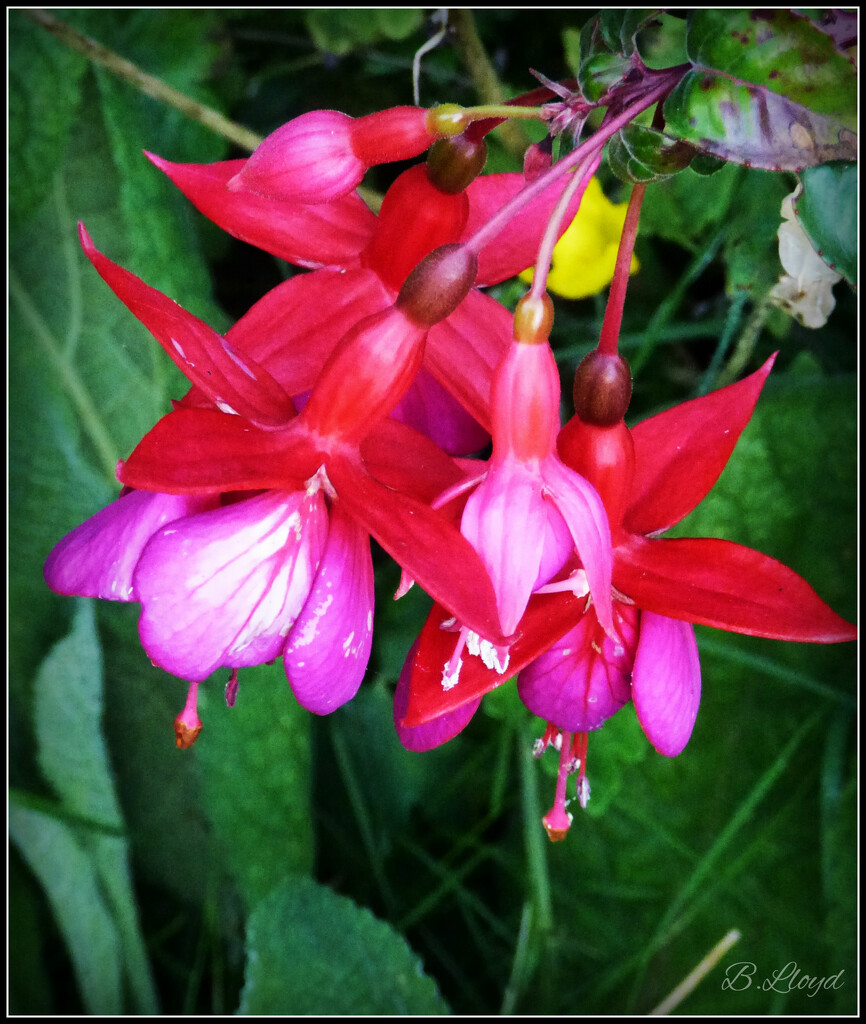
680	453
321	235
232	381
429	548
722	584
202	451
405	460
547	618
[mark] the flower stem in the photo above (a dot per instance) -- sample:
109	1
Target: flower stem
610	328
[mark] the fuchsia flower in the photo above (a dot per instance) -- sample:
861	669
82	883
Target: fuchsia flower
572	673
247	535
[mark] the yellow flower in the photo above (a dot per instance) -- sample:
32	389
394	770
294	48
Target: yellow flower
585	256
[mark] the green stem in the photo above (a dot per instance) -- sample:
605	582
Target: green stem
732	322
148	84
746	343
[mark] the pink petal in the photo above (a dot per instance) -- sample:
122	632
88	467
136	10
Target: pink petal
225	587
719	583
327	651
433	733
97	558
234	383
464	352
584	677
328	234
584	514
504	521
666	684
679	454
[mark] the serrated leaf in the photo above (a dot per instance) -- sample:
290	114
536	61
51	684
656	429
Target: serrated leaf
255	766
827	209
641	154
661	42
312	952
750	125
779	50
341	30
68	877
599	69
705	164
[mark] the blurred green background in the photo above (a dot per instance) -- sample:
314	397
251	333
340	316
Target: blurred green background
288	864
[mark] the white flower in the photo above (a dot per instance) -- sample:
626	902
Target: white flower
805	290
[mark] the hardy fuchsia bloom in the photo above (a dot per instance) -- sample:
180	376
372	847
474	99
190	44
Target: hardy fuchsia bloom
574	675
323	155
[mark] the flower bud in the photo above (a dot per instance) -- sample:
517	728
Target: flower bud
323	155
453	164
602	389
533	319
438	285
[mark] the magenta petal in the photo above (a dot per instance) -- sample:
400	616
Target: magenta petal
504	520
328	234
97	558
225	587
431	734
666	684
328	648
584	514
584	677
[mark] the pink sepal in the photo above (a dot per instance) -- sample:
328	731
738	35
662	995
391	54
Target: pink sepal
327	651
225	587
666	684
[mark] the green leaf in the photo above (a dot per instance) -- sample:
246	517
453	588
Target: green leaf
255	763
748	124
69	879
312	952
661	42
341	30
827	209
779	50
72	753
641	154
599	69
41	116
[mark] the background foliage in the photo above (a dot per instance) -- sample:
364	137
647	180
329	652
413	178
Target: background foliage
292	865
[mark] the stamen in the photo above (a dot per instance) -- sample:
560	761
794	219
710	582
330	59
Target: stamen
232	689
581	744
187	725
557	821
576	582
451	673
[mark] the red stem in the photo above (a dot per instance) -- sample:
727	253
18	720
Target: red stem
609	339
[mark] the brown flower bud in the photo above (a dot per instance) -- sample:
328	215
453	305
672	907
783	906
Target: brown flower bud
438	285
452	164
602	389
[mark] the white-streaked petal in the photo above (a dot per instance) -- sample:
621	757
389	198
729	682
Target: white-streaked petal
225	587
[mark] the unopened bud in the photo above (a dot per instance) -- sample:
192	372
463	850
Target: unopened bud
438	285
453	164
533	319
602	389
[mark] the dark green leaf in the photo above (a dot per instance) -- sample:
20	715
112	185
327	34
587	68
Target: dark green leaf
310	951
341	30
661	42
827	209
641	154
600	69
703	163
750	125
255	761
780	51
69	879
